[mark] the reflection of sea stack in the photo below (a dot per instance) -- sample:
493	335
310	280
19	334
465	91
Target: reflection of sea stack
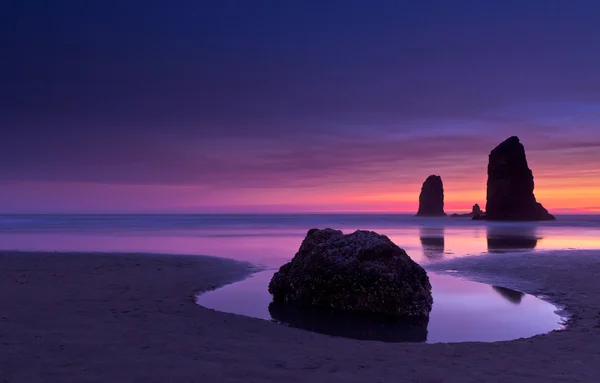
431	199
510	186
504	239
432	241
510	295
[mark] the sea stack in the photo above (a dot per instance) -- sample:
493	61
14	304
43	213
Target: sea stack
510	186
431	199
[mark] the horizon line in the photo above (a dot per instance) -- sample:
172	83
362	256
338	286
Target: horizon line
559	212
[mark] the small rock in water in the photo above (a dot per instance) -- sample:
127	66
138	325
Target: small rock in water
359	272
475	212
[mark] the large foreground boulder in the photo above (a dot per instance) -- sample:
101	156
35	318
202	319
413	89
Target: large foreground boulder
510	186
431	199
359	272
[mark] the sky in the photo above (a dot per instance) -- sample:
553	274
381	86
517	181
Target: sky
292	106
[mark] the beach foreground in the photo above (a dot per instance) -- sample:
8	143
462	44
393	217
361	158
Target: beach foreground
132	318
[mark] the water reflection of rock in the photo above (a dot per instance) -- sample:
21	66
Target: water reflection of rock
354	326
507	239
510	295
432	240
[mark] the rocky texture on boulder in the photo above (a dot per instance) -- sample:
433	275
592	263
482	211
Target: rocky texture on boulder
510	186
431	199
475	212
362	272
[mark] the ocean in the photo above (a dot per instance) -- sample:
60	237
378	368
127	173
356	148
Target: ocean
271	239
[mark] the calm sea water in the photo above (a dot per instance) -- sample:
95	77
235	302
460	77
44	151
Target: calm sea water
272	239
462	311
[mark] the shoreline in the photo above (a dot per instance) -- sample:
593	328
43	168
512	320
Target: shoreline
477	269
132	317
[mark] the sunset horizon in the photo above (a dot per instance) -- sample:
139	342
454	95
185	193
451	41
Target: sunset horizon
562	193
556	185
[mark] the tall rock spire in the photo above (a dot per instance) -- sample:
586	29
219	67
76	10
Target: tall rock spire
431	199
510	186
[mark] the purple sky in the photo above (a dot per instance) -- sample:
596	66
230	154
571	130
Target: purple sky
225	105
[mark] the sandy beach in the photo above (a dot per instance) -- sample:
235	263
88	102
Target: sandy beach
132	318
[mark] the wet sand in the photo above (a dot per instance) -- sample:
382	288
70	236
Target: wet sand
132	318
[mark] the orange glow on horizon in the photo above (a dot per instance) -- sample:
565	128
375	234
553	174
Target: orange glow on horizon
459	197
559	192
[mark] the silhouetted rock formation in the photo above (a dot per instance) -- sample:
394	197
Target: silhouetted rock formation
475	212
381	328
358	272
510	186
431	199
432	240
511	295
511	239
